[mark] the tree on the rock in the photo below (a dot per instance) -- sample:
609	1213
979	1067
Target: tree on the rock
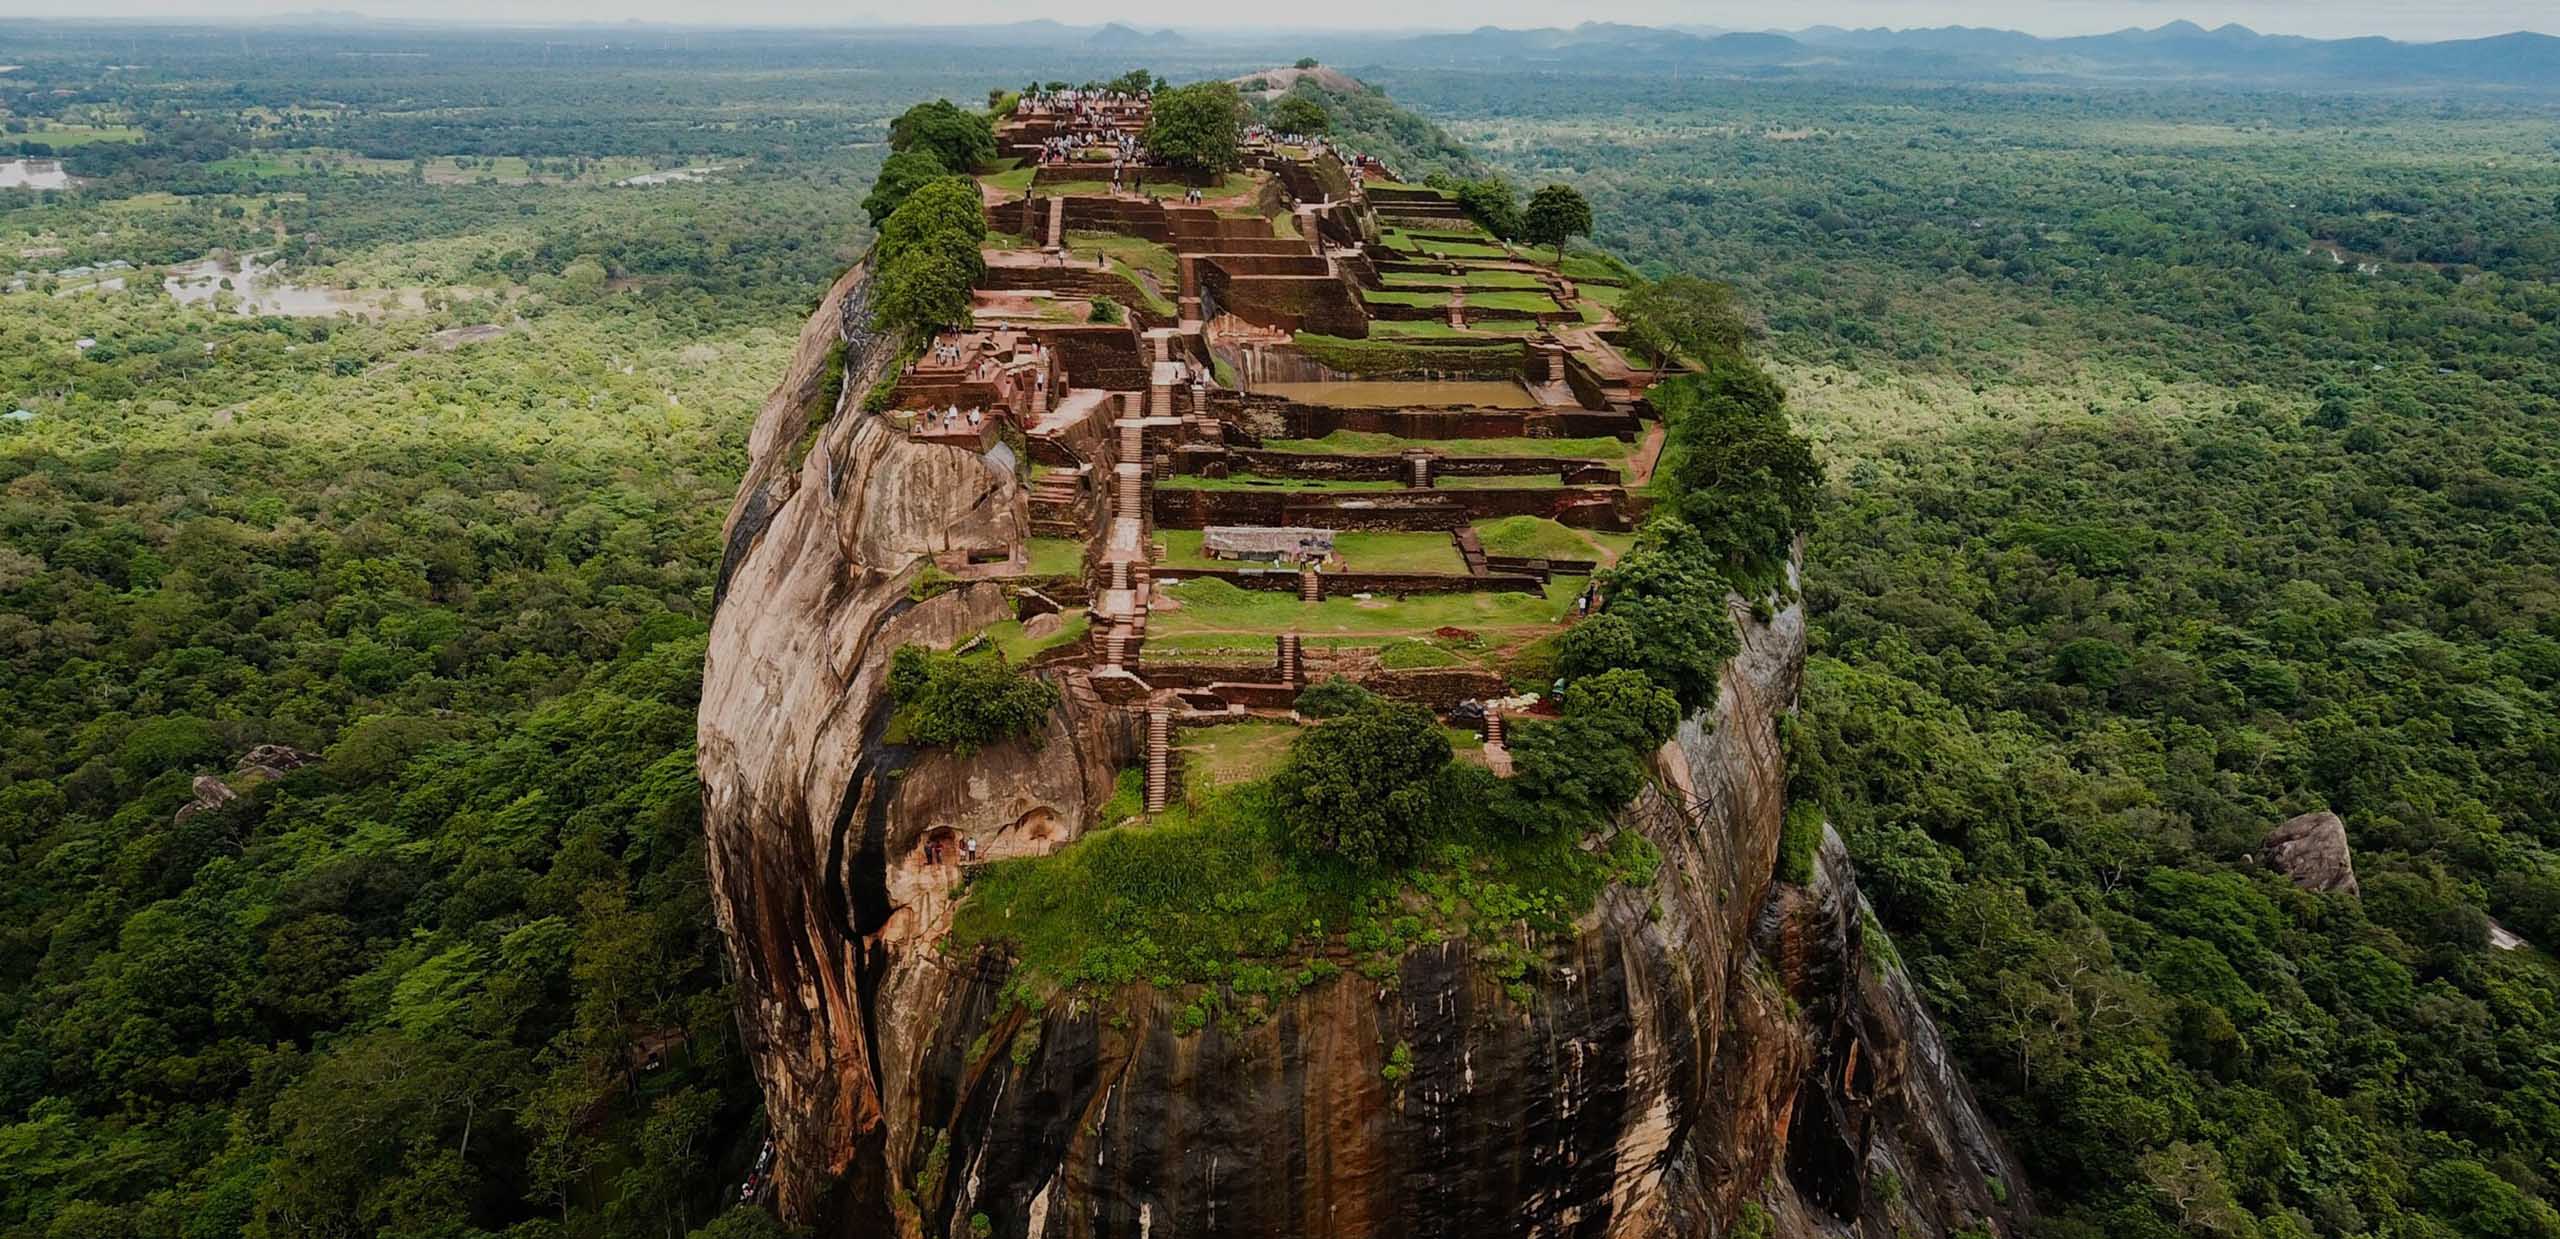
927	258
1557	214
1299	114
1196	127
1360	786
901	174
1745	480
1307	62
1683	315
963	140
943	211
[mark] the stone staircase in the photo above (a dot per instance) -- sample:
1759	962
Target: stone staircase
1057	502
1159	760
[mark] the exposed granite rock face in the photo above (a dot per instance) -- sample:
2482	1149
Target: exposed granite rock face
2312	850
1714	1046
265	763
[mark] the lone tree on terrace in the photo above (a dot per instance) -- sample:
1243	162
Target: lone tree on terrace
1296	113
1197	128
1683	314
963	140
1361	786
1556	214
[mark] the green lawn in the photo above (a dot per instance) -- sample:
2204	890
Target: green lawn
1011	181
1398	552
1212	606
1362	552
1490	278
1370	443
1158	186
1255	481
1234	752
1439	329
1138	252
1056	557
1391	296
64	137
1018	648
1526	302
1538	538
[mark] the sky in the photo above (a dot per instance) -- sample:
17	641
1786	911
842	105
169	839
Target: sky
2406	19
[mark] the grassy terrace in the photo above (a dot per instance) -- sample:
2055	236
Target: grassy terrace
1215	608
1018	646
1368	443
1537	537
1360	552
1255	481
1471	280
1135	252
1436	329
1056	556
1524	300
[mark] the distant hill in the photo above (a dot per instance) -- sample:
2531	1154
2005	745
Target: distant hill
2176	51
1118	37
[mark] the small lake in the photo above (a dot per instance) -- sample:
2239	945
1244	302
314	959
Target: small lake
669	177
33	174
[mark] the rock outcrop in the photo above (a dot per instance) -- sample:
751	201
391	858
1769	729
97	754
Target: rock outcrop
2312	850
1714	1052
262	764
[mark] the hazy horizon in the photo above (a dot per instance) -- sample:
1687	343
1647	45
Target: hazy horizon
2355	18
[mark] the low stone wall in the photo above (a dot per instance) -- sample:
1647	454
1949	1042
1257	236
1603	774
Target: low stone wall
1375	468
1105	355
1134	217
1439	688
1293	261
1541	568
1586	507
1320	303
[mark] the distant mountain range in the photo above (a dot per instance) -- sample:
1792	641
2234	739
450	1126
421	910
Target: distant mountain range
2179	50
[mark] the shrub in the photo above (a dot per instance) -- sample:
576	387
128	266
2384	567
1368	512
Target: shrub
1333	697
1491	203
945	699
1360	786
1106	310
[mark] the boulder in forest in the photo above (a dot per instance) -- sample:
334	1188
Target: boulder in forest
2312	850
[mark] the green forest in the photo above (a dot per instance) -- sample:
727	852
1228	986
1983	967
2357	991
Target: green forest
2189	463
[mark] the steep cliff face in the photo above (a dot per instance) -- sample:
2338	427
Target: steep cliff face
1715	1053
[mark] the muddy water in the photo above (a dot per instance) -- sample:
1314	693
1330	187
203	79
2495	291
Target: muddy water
33	174
1478	393
260	290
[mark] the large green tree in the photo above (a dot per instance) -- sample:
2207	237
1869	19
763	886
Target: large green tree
1197	127
1556	214
962	140
1683	315
901	175
1359	786
1297	112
